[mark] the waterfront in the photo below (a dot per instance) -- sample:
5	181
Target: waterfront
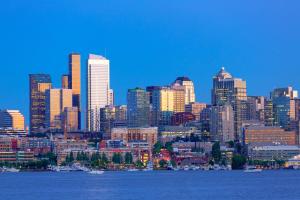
280	184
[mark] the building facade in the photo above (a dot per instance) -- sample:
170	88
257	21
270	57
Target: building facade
12	119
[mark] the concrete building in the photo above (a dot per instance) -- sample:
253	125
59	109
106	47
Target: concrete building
65	81
98	89
179	97
70	119
12	119
222	123
38	84
56	102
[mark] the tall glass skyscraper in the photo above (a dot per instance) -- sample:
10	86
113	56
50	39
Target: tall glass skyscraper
98	89
75	83
38	84
138	108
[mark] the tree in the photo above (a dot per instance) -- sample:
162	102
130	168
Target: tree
139	164
163	163
216	152
169	146
117	158
157	147
71	157
128	158
104	159
238	161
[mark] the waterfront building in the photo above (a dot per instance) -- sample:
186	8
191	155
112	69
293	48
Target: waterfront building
233	91
74	80
195	108
98	87
38	84
273	152
12	119
222	123
138	108
188	86
255	134
56	101
128	135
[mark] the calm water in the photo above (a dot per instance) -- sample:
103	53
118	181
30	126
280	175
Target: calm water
183	185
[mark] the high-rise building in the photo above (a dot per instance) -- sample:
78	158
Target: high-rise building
195	108
74	80
138	108
111	97
70	119
56	101
65	81
179	97
188	88
12	119
256	106
269	113
222	123
38	84
233	91
98	87
284	106
162	106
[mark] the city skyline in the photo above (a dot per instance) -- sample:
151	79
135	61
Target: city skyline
251	41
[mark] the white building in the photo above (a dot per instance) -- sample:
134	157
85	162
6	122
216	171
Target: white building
98	89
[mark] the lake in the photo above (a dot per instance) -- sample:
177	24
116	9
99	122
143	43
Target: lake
183	185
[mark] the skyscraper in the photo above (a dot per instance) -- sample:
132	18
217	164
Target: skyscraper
222	123
233	91
65	81
188	88
162	106
138	108
179	97
98	89
56	102
75	83
38	84
284	106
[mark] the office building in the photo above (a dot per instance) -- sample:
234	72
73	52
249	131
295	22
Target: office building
11	119
70	119
98	87
38	84
222	123
138	108
179	97
74	80
56	102
233	91
65	81
195	108
188	88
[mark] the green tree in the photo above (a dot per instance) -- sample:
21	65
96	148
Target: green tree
71	157
163	163
128	158
216	152
104	159
157	147
117	158
238	161
139	164
169	146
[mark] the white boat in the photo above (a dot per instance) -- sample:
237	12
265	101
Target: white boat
96	172
252	169
132	170
186	168
13	170
149	167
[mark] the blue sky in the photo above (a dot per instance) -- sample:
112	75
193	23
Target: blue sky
150	43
